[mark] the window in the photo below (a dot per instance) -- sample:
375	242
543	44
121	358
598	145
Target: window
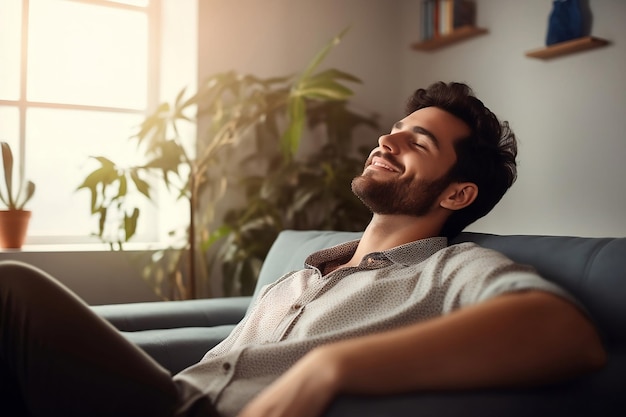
77	78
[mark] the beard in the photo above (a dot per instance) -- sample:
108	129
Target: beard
406	196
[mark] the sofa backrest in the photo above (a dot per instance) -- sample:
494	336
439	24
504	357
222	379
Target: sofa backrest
591	269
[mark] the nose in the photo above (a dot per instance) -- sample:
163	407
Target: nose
391	142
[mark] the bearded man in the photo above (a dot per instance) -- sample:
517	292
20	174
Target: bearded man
398	310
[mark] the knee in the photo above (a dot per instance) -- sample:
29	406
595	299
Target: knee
10	268
16	274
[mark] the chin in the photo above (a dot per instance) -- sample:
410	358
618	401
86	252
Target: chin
361	182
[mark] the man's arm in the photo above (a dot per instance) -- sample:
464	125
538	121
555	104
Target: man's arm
512	340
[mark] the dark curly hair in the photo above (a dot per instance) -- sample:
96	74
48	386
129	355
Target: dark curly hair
486	157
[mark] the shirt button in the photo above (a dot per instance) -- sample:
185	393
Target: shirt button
226	366
296	306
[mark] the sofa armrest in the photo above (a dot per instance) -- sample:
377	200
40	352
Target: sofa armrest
176	349
211	312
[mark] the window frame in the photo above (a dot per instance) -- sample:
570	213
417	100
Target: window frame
153	10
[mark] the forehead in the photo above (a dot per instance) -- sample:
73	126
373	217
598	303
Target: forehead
442	124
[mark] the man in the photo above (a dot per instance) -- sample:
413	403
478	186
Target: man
396	311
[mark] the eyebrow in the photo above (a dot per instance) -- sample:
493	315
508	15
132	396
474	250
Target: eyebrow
422	131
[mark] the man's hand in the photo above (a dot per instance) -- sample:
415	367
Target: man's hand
303	391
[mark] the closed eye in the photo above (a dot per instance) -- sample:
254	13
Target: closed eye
418	131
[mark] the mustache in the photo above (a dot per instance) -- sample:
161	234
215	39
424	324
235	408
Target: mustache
387	157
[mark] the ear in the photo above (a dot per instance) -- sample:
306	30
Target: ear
459	195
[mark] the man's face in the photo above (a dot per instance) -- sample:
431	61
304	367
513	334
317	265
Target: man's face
407	172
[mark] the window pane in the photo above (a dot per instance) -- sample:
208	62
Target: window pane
9	128
58	146
87	54
10	23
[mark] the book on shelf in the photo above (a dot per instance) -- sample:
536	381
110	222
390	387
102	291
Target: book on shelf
441	17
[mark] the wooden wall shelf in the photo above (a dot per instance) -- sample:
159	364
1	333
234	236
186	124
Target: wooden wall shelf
567	47
459	34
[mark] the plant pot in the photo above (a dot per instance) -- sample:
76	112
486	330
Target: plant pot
13	227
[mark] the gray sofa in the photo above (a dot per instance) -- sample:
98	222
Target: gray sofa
177	334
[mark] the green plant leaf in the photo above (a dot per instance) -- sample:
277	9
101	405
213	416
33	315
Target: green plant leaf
328	91
142	186
99	178
123	187
335	74
221	232
106	174
130	224
30	191
179	97
7	161
326	86
102	213
321	55
291	138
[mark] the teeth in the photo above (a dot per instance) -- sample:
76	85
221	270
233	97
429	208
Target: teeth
378	164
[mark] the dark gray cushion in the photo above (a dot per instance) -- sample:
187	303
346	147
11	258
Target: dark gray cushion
592	269
176	349
172	314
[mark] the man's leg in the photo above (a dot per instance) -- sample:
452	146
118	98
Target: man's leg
11	401
64	360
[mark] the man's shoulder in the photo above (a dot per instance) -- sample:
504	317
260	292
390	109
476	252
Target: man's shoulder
470	251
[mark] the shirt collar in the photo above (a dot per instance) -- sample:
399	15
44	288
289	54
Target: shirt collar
415	252
408	254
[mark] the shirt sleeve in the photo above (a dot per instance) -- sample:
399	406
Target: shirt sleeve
473	274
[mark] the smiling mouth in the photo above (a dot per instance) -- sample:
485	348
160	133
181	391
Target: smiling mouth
381	163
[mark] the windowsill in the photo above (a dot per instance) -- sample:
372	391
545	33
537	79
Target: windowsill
95	273
85	247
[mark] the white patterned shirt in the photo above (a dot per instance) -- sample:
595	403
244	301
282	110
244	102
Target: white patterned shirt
390	289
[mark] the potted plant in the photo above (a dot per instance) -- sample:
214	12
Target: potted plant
236	113
309	191
14	220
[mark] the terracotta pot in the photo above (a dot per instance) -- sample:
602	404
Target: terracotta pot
13	227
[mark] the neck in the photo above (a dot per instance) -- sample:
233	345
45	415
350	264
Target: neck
388	231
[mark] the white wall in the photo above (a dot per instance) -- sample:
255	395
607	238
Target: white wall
280	37
568	113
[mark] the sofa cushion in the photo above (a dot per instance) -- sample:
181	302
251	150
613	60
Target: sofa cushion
134	317
176	349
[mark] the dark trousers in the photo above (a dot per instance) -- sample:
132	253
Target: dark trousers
58	358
